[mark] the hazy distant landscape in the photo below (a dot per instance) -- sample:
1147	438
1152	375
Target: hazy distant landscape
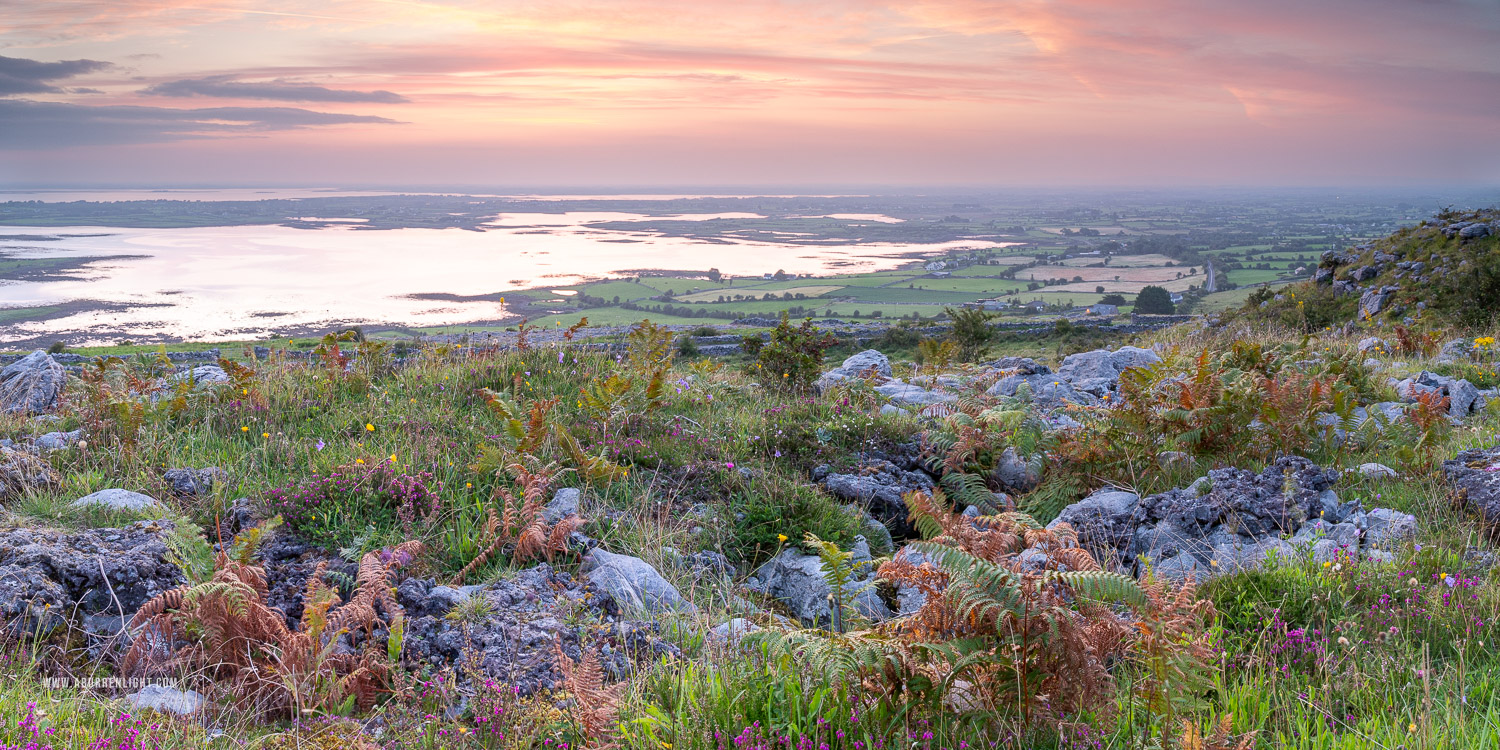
146	268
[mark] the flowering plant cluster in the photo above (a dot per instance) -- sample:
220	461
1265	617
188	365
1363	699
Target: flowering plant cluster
329	506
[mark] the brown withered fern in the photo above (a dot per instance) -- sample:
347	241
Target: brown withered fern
595	708
521	522
1221	738
223	632
1019	622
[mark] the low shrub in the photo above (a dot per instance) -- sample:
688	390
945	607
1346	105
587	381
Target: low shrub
793	358
766	511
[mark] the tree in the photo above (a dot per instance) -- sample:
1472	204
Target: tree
1154	300
1118	300
714	275
780	275
1099	289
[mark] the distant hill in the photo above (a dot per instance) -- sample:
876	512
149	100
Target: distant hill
1442	272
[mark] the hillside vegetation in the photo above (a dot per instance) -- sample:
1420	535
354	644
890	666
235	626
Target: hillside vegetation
1267	531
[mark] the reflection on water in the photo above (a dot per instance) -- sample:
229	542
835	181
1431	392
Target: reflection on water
247	281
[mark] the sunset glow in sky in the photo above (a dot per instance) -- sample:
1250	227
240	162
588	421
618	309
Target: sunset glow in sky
784	92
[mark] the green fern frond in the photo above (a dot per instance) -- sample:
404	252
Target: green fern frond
1102	586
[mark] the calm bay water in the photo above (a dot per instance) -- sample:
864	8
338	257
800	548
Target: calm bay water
250	281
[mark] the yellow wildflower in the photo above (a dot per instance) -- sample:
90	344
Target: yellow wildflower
369	427
265	434
359	460
781	537
244	429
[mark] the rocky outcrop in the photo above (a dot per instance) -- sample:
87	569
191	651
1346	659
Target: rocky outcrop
874	365
632	584
1014	473
32	384
165	700
1463	397
868	363
878	486
49	577
511	637
1475	476
1374	301
1233	519
1083	378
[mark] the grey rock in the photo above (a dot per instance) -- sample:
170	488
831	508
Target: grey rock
910	598
1014	473
444	599
880	488
905	394
1235	557
632	583
1127	357
1173	459
1463	396
56	441
564	503
1181	567
514	642
1475	475
796	579
32	384
1457	349
1104	522
1373	301
877	532
117	499
731	631
1097	364
1386	527
1019	366
865	361
711	563
203	375
1474	231
165	700
893	411
1371	343
21	471
105	571
193	482
1376	471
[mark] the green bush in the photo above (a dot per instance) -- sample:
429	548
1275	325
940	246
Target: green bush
768	507
793	358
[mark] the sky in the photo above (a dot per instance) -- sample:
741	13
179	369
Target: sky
749	92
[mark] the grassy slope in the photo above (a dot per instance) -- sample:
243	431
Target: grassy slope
1434	691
